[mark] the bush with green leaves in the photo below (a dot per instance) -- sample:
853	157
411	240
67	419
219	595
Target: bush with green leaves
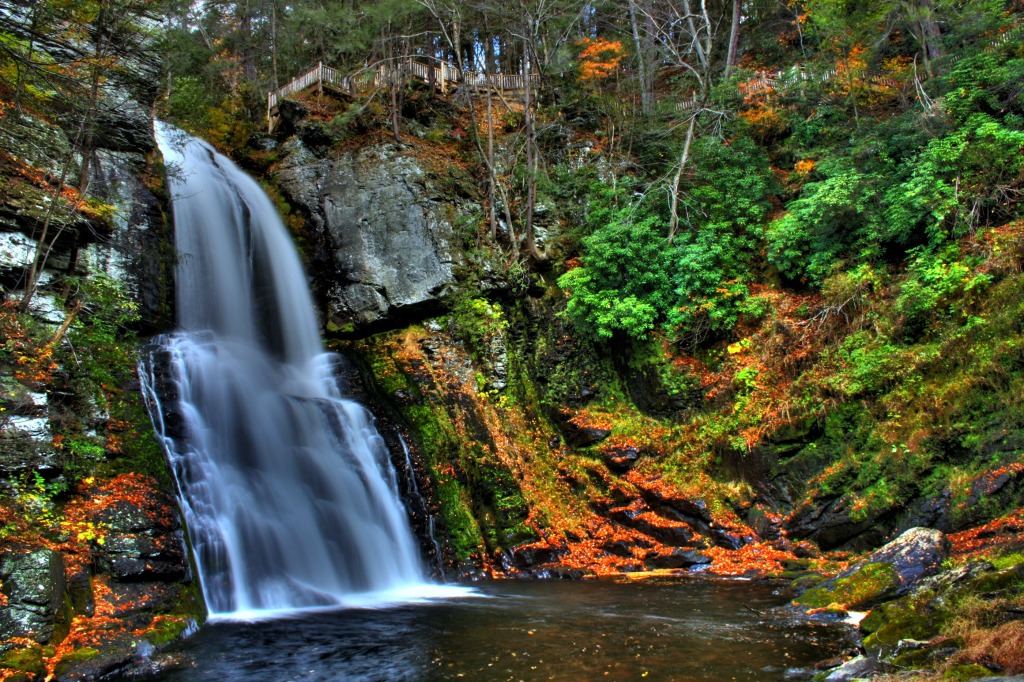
634	279
937	280
623	284
728	201
826	223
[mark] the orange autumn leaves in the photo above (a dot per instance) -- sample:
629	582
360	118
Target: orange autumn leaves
599	58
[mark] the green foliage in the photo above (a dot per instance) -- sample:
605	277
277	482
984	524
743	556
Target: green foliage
957	181
860	210
103	329
623	284
37	498
868	364
633	279
100	370
825	223
188	104
477	322
985	82
935	280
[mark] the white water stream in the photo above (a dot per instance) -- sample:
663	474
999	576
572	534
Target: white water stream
287	489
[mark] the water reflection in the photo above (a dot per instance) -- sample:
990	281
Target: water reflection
688	630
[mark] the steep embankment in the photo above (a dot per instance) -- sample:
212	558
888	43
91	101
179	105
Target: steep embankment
883	402
93	567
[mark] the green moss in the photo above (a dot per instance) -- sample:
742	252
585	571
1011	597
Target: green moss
480	501
1009	560
966	672
906	618
86	653
68	660
1007	578
166	630
27	659
807	581
869	585
83	654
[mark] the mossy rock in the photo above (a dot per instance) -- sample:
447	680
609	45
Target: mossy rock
23	659
806	581
966	672
911	617
871	584
997	581
918	658
166	630
73	659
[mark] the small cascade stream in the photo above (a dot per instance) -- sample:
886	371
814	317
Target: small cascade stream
287	488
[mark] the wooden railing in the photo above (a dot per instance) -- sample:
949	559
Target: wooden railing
444	76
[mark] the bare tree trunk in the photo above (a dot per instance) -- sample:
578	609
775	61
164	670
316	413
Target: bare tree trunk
531	160
701	56
734	37
931	34
248	52
674	208
641	59
273	43
394	86
491	195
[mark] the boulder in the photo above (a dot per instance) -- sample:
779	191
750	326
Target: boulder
887	573
34	585
584	436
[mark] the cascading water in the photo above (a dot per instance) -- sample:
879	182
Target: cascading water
287	490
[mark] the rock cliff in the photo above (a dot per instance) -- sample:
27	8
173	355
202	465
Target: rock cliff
384	236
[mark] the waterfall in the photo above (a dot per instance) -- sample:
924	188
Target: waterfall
287	490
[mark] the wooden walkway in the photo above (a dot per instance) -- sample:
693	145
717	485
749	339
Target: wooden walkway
444	76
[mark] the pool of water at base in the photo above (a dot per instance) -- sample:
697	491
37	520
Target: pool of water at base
686	630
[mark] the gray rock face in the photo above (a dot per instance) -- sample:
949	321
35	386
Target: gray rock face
386	237
857	668
25	437
916	554
123	123
137	251
34	585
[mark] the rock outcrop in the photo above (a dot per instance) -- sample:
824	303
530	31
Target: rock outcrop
384	233
34	586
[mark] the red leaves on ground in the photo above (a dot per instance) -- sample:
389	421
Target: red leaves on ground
756	560
1006	532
